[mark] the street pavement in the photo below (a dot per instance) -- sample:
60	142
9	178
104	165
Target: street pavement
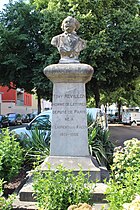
119	133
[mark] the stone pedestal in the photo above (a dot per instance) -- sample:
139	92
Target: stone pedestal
69	125
69	134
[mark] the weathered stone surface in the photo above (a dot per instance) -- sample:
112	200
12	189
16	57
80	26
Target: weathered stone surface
69	44
97	195
69	73
69	132
74	164
26	192
69	135
69	125
24	205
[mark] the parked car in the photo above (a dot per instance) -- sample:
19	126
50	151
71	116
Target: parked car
31	116
41	121
14	119
113	118
4	122
25	118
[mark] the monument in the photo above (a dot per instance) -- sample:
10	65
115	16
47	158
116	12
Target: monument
69	133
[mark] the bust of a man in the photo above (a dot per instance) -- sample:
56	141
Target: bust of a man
69	44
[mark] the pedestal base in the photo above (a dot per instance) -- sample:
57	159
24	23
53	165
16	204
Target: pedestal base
75	164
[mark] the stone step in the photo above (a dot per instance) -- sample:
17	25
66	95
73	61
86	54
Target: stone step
23	205
97	196
101	206
26	201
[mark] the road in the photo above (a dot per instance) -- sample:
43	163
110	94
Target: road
119	133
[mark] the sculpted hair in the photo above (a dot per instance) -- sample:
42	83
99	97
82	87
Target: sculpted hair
76	22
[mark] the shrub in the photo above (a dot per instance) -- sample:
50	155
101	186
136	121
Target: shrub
37	145
61	188
5	204
125	177
11	155
99	144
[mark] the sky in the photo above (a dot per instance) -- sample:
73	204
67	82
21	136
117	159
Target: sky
2	2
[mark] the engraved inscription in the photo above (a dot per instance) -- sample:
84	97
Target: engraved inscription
74	96
56	96
69	118
68	134
68	111
70	127
69	104
69	107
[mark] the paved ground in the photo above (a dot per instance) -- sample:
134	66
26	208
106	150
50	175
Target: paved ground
119	133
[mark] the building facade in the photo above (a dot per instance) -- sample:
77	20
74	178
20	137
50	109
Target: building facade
16	101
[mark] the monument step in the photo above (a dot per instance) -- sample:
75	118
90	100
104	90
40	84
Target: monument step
26	192
22	205
98	195
101	206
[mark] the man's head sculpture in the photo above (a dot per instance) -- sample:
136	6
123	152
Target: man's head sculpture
69	44
71	21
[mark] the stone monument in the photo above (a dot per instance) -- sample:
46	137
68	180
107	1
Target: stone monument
69	133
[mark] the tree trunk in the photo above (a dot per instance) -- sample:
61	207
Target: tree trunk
119	109
96	93
39	103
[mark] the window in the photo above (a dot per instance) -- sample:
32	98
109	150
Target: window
42	123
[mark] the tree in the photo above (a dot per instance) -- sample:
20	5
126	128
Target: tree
115	48
128	96
111	28
22	51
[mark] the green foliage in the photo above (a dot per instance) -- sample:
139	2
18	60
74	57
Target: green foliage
110	27
5	204
11	155
37	145
125	178
90	102
22	48
99	144
58	189
128	96
126	158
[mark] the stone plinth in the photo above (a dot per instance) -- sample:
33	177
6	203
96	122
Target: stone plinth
69	73
69	133
74	164
69	124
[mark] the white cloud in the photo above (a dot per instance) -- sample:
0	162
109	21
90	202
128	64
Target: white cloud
2	2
